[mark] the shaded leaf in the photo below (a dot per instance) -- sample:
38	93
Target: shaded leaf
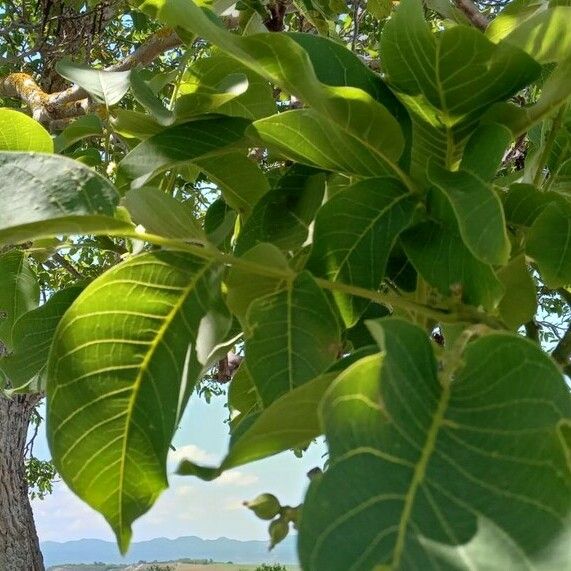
478	212
180	144
80	128
19	292
283	215
52	195
294	336
159	213
519	303
549	244
32	338
354	234
441	258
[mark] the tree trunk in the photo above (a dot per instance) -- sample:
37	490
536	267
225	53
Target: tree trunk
19	545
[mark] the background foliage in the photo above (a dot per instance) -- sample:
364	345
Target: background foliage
364	206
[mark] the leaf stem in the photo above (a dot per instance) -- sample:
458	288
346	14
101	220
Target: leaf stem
441	314
547	147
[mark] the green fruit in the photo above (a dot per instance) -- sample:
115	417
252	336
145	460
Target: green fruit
279	529
265	506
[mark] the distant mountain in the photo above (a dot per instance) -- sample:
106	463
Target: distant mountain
163	549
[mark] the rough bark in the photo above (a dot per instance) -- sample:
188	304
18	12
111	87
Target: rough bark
19	545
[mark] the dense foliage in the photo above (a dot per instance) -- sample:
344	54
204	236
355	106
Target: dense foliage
373	207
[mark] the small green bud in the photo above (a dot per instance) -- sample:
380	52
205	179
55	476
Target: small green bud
265	506
279	528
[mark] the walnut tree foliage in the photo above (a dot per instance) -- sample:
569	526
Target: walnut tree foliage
373	204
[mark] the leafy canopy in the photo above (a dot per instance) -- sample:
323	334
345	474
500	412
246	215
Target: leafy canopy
389	253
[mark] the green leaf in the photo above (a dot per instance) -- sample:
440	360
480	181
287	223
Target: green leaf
52	195
245	287
512	16
112	413
554	93
242	395
106	87
181	144
471	465
290	421
365	218
523	203
147	98
19	292
283	215
246	93
442	259
219	223
241	181
352	110
80	128
133	124
161	214
478	211
32	338
549	244
308	137
485	150
447	81
561	182
18	132
546	36
294	336
519	304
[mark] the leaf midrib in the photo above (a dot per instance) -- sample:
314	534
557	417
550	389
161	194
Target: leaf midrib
138	380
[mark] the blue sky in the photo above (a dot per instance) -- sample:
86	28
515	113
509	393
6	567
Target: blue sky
190	506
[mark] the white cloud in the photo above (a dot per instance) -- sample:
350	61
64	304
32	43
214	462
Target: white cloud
191	452
236	478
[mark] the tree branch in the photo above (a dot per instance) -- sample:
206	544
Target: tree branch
72	102
470	10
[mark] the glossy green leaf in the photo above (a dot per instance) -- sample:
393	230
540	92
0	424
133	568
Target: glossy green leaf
18	132
471	465
512	16
181	144
242	395
159	213
241	181
19	292
354	234
106	87
306	136
247	94
80	128
32	338
288	422
478	212
52	195
441	258
546	36
283	215
134	124
549	244
112	413
519	304
447	81
554	93
244	288
293	337
352	110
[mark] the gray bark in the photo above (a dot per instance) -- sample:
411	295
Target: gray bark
19	545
